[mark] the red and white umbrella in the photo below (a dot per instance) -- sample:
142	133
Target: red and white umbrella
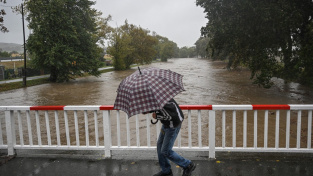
147	90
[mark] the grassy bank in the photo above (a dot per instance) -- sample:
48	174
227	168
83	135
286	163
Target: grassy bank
18	85
10	65
29	83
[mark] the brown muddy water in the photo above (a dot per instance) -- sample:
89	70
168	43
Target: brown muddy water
206	82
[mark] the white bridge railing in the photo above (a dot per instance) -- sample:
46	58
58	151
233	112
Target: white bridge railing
207	128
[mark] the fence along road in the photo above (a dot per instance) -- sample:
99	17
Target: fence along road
34	128
37	77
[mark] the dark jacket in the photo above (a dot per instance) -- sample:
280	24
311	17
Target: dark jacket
171	115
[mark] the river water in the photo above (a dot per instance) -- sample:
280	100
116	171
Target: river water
205	82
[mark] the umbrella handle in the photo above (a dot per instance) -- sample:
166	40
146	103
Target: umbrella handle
154	122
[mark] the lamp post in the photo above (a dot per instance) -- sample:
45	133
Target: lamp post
24	70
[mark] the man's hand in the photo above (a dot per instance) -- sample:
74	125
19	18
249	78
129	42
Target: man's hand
154	115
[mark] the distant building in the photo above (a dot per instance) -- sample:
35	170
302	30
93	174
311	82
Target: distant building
16	55
107	56
108	59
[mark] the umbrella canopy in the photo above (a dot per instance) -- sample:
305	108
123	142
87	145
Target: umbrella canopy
147	90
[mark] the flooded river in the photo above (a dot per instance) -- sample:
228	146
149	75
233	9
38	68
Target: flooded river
205	82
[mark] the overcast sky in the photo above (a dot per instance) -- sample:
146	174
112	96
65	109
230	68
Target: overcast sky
178	20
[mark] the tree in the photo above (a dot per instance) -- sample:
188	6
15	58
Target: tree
4	53
183	52
119	48
143	45
270	37
131	45
13	52
187	52
306	54
202	48
63	38
2	13
104	29
166	49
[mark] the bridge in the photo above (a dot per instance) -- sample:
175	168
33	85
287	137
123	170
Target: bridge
210	134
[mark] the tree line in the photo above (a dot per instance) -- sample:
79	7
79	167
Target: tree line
271	38
7	54
69	36
130	44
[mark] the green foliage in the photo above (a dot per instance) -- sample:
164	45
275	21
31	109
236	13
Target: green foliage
2	13
104	29
63	38
4	54
187	52
202	47
166	49
129	45
306	54
183	52
119	48
273	38
18	85
143	45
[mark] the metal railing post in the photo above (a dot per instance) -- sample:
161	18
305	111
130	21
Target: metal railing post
107	133
13	123
211	134
10	128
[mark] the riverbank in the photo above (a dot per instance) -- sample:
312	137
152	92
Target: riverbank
12	84
36	80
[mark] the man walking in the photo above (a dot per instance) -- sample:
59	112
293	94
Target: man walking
171	117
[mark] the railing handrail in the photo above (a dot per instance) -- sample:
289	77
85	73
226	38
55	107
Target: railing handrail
183	107
211	147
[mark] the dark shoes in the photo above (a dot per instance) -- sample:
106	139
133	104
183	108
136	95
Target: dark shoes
188	170
162	174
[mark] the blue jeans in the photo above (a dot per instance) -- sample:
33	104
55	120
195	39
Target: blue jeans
165	144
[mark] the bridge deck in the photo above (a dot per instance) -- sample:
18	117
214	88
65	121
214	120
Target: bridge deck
238	166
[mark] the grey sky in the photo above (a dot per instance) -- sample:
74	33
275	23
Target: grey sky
178	20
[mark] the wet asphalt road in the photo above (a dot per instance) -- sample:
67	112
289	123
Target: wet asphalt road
104	167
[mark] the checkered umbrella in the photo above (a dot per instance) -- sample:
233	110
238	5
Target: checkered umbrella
147	90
